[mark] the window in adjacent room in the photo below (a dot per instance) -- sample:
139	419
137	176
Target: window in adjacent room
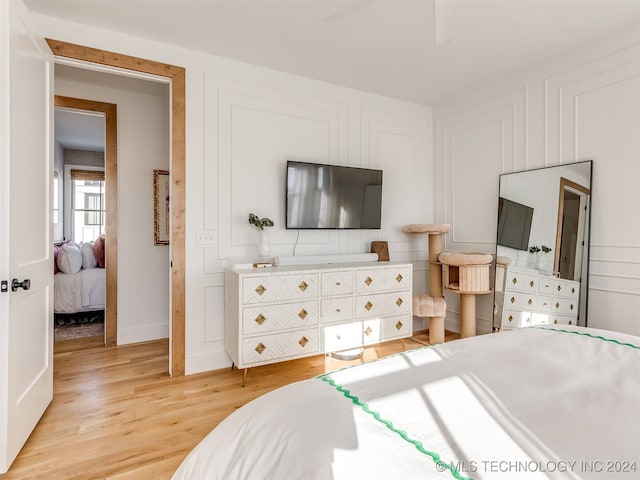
87	204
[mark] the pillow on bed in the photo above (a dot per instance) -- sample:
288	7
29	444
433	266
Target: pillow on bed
98	250
88	257
56	250
69	258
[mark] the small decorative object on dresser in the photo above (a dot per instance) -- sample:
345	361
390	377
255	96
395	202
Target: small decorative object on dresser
382	249
260	224
540	252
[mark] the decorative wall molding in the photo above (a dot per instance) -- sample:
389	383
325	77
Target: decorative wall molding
472	147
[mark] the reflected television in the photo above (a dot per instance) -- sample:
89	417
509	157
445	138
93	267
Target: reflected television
514	224
320	196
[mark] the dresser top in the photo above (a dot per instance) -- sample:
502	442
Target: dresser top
315	267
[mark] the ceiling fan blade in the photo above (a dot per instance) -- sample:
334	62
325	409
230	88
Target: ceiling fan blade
443	14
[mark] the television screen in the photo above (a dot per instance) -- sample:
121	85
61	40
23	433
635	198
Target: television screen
332	196
514	224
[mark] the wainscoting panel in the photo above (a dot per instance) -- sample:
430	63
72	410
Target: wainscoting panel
473	147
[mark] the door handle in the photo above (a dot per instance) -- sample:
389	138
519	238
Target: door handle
15	284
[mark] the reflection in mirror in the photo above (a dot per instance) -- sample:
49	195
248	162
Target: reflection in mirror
542	255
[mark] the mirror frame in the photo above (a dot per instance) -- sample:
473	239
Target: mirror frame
584	278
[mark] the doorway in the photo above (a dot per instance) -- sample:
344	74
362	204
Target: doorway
176	76
109	113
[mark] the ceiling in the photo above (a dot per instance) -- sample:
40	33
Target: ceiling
383	46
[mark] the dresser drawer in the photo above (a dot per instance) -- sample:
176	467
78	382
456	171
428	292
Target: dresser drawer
384	329
522	282
382	304
383	279
267	318
266	348
545	285
336	283
564	306
520	300
556	319
516	319
336	309
566	288
273	288
341	337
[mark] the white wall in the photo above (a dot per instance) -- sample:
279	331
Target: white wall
143	145
581	106
243	123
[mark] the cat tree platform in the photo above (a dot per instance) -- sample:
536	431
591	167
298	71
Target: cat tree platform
468	275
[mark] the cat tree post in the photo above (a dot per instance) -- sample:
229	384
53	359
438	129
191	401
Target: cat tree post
432	305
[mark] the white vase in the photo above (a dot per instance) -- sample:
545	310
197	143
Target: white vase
539	262
263	243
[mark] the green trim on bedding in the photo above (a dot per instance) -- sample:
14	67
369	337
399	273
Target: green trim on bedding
442	465
599	337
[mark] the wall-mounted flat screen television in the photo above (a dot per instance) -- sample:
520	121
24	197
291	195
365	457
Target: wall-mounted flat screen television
333	197
514	224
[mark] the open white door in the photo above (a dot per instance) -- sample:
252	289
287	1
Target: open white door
26	314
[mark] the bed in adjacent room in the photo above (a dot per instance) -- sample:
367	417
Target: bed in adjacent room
79	280
539	402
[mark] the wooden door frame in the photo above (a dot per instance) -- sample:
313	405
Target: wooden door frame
564	183
177	77
110	112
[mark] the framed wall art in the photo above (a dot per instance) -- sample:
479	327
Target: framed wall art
161	204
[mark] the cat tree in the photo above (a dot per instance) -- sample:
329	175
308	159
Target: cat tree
433	304
468	275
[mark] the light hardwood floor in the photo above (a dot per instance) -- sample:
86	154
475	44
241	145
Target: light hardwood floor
116	414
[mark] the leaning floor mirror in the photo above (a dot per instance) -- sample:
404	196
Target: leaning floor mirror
542	253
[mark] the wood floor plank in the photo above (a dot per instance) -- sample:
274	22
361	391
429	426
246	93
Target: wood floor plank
116	414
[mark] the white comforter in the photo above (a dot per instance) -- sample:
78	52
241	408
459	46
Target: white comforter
528	403
79	292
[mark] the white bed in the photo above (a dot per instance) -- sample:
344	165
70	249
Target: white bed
527	403
84	291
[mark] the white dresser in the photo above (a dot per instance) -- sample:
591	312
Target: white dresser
280	313
526	297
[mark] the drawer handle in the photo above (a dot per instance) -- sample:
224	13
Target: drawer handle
511	318
557	305
303	286
368	306
571	307
555	321
513	299
398	325
338	284
399	302
570	322
260	348
528	320
531	284
573	290
338	337
303	314
368	331
547	285
559	287
303	341
338	310
260	319
368	281
515	280
399	278
260	290
530	302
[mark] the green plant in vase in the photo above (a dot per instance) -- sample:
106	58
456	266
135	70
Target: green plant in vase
539	257
261	224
